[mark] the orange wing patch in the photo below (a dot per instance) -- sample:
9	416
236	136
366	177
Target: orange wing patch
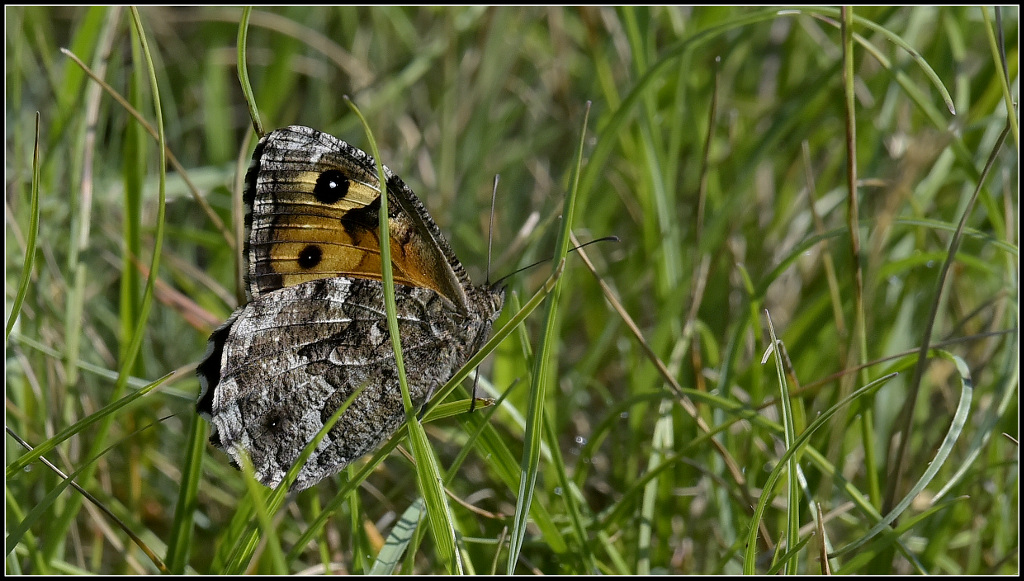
325	225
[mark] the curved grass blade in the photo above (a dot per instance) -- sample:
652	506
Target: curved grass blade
30	243
956	427
243	71
750	553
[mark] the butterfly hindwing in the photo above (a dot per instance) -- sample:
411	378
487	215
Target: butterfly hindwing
290	359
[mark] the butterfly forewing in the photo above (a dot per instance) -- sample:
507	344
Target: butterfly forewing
317	216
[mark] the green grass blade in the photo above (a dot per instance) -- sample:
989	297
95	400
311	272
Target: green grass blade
183	528
716	154
89	421
428	474
789	561
237	552
751	544
243	71
956	428
541	375
398	540
33	231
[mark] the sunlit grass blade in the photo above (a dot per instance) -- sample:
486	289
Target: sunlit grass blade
428	474
793	490
398	540
542	369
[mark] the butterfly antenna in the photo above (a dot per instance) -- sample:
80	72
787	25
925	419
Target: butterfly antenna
490	239
575	248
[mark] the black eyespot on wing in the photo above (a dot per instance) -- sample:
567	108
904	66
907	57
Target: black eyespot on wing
272	421
331	186
310	257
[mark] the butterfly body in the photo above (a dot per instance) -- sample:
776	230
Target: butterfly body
315	330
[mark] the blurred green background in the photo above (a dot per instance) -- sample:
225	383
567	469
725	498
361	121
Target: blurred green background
716	150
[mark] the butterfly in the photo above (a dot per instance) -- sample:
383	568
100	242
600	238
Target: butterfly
314	329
